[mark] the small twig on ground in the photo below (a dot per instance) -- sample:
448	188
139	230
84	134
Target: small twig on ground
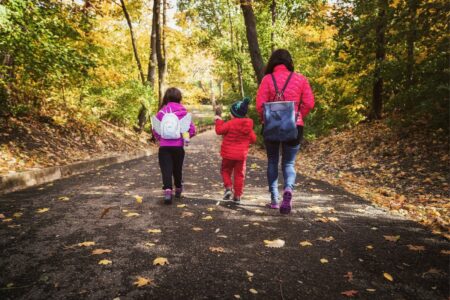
339	226
15	287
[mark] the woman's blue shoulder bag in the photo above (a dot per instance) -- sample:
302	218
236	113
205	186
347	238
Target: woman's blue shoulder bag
280	119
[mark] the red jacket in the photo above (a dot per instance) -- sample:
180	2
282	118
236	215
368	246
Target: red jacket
297	86
238	135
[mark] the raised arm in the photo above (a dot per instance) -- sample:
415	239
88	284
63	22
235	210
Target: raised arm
221	127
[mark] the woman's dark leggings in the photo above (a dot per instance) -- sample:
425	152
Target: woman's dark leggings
171	164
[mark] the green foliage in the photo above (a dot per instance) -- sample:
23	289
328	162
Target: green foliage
121	104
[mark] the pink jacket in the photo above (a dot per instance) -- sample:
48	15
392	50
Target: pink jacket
180	111
298	85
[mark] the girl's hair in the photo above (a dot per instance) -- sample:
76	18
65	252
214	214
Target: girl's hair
171	95
279	57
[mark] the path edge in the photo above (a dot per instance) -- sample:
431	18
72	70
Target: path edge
23	180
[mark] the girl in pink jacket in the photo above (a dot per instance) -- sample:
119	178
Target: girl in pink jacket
298	90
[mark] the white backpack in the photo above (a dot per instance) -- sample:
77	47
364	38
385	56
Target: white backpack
170	127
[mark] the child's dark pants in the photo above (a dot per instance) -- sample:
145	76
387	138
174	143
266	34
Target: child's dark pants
171	164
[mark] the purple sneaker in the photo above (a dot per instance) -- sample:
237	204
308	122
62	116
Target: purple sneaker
168	196
272	205
178	192
285	207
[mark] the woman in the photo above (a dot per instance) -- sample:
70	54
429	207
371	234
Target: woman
281	66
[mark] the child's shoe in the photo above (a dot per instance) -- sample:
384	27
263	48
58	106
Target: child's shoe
178	192
237	200
227	194
285	207
168	196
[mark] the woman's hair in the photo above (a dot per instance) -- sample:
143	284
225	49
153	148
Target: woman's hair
171	95
279	57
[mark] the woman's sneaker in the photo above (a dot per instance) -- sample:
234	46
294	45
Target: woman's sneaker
273	205
285	207
178	192
227	194
273	202
237	200
168	196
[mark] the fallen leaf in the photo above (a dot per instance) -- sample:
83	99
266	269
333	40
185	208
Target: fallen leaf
349	276
86	244
445	252
253	291
210	208
17	215
181	205
433	271
371	290
237	296
391	238
132	214
274	244
254	166
222	236
216	249
63	198
7	220
138	198
105	211
333	219
148	244
315	209
326	239
160	261
207	218
350	293
369	247
42	210
154	231
416	248
197	229
185	214
258	211
100	251
388	276
249	274
324	260
305	244
2	216
142	281
105	262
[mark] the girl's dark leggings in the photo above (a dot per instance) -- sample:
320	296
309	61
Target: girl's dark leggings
171	164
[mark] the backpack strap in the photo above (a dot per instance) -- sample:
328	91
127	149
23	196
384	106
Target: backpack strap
279	96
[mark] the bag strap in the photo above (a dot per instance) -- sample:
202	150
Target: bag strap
280	95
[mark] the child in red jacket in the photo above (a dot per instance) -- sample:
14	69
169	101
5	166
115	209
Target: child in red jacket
237	134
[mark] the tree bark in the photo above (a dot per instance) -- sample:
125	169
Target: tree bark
133	41
273	9
152	62
213	95
233	50
380	55
252	39
161	50
411	38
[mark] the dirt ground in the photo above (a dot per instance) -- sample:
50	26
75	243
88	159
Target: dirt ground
214	249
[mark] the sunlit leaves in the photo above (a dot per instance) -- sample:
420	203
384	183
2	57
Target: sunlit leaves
160	261
278	243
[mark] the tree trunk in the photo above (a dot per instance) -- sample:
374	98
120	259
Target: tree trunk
380	55
213	95
133	41
252	39
411	38
240	80
161	50
273	9
152	62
